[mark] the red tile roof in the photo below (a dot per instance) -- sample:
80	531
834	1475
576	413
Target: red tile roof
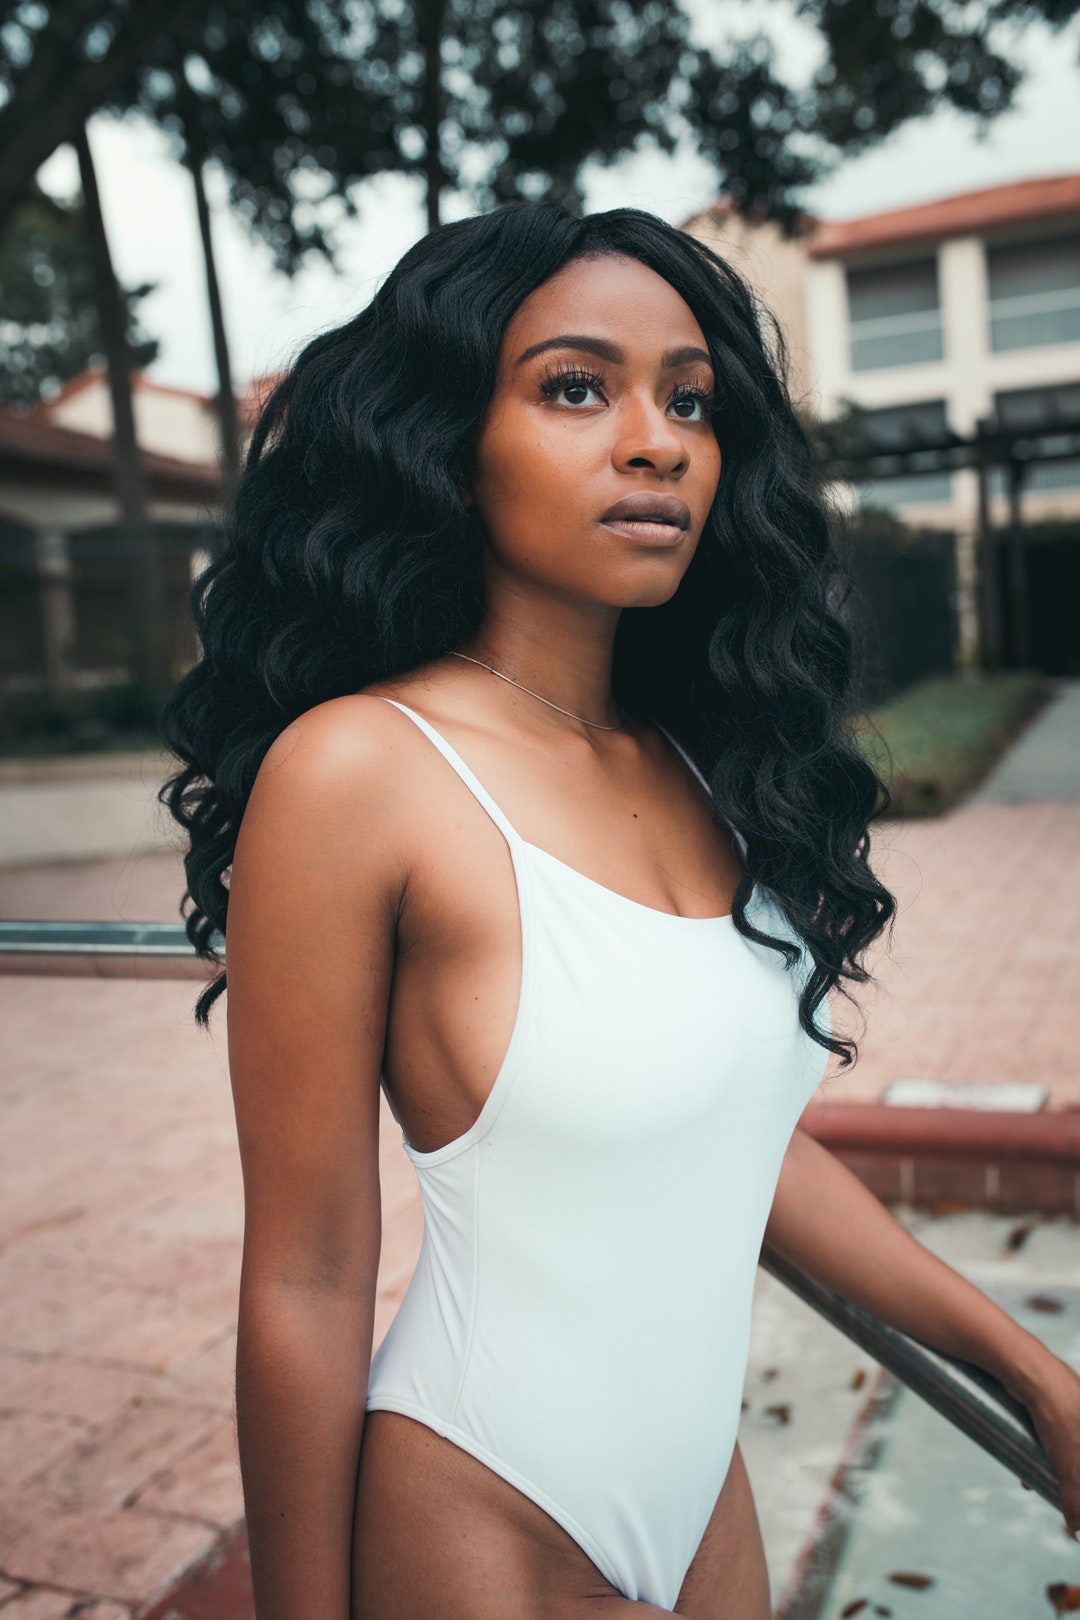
1021	201
252	396
32	448
96	374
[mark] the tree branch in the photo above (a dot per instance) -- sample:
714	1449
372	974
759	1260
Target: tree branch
48	106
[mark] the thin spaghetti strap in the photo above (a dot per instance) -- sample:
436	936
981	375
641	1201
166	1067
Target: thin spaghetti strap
683	755
458	765
740	841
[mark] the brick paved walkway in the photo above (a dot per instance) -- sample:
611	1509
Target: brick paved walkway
981	982
120	1206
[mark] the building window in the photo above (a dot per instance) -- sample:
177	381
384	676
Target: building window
917	489
1040	411
1034	294
918	481
895	316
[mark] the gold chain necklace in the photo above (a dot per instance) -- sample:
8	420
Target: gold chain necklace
579	717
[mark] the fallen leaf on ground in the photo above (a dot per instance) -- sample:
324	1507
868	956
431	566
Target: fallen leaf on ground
1065	1599
917	1583
1019	1236
856	1606
781	1411
858	1378
1044	1302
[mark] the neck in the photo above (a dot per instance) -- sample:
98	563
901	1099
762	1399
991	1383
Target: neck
561	649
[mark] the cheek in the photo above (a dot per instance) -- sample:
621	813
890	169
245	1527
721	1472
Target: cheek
710	462
526	472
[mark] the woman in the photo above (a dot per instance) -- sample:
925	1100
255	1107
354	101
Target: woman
536	522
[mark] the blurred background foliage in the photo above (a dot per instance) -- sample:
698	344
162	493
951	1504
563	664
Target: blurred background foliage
49	325
299	99
297	102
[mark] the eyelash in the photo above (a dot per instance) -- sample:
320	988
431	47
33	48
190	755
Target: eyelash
566	375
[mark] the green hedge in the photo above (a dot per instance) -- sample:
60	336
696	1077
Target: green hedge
937	740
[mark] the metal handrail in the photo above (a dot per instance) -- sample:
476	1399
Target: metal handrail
109	949
93	939
972	1400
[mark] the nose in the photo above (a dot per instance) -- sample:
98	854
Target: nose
648	439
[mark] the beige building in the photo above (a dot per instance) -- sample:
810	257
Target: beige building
775	266
168	421
953	313
64	558
63	612
930	319
941	322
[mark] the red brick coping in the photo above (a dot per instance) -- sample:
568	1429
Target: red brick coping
216	1587
1023	1163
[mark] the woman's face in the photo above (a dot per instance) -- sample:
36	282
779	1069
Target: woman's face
596	463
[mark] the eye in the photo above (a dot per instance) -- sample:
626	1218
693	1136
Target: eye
574	383
691	402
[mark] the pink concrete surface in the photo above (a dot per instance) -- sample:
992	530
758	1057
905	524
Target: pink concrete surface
982	981
121	1210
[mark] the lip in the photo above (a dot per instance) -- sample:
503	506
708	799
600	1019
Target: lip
647	508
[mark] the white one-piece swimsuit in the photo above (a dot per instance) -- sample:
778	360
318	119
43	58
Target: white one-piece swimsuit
580	1312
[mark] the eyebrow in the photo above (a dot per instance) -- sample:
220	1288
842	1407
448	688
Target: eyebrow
611	352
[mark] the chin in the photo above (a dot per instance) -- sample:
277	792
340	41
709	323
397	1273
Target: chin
652	587
651	598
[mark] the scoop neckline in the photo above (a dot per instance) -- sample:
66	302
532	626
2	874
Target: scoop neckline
625	899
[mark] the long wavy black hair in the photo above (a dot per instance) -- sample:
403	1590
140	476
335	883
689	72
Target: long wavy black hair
349	558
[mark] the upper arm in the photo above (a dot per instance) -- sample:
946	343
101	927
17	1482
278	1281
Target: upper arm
316	880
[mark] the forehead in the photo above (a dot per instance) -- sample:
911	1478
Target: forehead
615	298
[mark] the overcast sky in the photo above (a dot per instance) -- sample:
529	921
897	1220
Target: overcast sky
150	213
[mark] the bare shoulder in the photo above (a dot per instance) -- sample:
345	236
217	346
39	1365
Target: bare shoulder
342	742
339	779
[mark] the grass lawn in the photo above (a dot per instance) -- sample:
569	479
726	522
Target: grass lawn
935	742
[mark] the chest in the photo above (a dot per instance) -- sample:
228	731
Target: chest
634	1026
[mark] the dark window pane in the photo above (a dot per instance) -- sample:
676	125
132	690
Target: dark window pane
904	427
1038	408
901	289
1036	267
1034	294
895	318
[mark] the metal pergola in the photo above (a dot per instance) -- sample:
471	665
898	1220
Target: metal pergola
1014	449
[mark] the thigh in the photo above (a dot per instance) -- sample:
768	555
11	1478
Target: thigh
439	1536
728	1579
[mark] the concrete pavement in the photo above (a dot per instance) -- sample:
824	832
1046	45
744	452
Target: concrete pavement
915	1498
1045	763
82	806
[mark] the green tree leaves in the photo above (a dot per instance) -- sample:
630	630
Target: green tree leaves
49	326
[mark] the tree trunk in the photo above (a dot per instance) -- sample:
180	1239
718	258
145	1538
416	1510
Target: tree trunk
228	426
430	17
129	479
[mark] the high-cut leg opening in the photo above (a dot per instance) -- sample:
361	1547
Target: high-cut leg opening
519	1482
